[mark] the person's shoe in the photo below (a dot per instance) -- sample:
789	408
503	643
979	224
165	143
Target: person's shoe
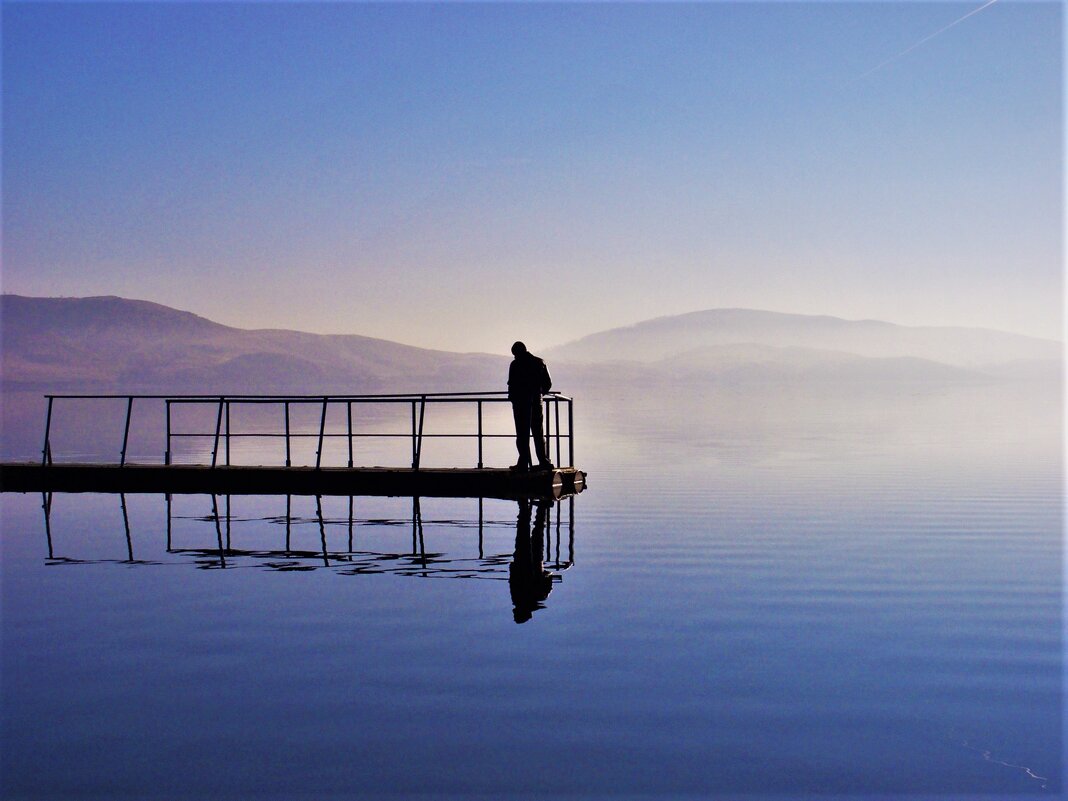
519	467
546	465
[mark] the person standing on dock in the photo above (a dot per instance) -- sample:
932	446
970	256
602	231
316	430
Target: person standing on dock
528	380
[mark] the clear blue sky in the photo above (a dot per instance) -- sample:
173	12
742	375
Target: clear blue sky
462	175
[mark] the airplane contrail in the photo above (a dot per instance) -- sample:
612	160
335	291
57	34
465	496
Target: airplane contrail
925	39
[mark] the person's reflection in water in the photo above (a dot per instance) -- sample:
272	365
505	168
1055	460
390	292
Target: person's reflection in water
528	580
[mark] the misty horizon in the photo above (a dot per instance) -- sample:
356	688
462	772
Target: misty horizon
557	345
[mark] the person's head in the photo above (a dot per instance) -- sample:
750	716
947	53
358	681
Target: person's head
521	614
518	349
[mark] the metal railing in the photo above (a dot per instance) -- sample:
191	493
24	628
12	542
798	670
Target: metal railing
223	433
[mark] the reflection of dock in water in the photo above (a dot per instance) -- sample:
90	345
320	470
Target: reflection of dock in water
338	538
541	531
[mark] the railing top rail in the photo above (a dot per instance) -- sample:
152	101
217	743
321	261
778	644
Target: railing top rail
277	398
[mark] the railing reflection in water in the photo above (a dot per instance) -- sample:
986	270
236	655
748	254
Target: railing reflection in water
543	546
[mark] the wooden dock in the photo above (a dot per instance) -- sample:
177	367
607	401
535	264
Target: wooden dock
220	477
259	480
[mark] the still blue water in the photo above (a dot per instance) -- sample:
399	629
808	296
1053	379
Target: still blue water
757	596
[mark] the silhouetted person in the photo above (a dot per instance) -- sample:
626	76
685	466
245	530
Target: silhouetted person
528	380
528	581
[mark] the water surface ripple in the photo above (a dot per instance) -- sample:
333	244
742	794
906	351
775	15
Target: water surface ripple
826	607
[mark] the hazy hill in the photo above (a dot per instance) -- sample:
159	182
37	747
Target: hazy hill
745	361
132	344
114	344
749	362
674	337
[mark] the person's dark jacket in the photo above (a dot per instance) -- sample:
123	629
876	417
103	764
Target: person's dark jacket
528	378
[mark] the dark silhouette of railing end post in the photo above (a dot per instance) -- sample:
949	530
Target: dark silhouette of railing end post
556	414
289	462
419	436
348	412
415	455
571	432
126	431
417	430
46	450
480	435
322	430
227	433
218	428
547	432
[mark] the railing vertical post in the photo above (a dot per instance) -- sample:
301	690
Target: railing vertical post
556	414
167	452
548	420
570	433
322	431
415	457
126	431
46	450
289	462
218	428
169	521
480	435
546	425
419	436
227	436
348	410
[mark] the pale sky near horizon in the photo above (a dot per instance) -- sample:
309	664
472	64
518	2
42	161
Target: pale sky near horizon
461	175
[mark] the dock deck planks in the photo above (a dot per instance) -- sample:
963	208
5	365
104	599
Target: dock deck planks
260	480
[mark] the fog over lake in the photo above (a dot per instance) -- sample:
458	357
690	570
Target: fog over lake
777	586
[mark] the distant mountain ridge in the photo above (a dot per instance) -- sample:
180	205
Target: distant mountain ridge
671	337
115	344
135	344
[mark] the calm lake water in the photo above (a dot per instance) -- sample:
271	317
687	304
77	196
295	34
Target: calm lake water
775	592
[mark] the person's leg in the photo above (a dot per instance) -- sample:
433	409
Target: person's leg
522	535
521	414
543	579
537	536
537	432
520	579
